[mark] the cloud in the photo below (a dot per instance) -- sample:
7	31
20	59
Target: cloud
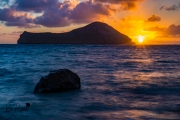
4	2
60	14
55	17
54	13
128	6
171	8
65	13
35	5
124	4
154	18
88	12
13	18
118	1
84	12
161	7
10	15
171	31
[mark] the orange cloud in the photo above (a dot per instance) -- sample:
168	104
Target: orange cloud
171	31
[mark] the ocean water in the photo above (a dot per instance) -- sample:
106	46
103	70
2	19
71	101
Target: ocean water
118	82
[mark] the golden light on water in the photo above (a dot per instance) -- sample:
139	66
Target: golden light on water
140	38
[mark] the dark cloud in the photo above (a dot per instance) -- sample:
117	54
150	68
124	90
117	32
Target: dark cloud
154	18
60	14
10	15
55	14
171	8
161	8
12	18
43	5
35	5
84	12
173	30
55	17
88	12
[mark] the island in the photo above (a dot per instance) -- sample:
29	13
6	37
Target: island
94	33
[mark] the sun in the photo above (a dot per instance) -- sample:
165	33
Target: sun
140	38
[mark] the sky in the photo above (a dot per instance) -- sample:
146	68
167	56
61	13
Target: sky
146	21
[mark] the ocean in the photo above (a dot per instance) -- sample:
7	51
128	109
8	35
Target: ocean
117	82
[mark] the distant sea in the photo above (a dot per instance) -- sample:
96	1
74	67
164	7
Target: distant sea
118	82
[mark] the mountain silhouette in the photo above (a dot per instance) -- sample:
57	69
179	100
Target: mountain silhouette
94	33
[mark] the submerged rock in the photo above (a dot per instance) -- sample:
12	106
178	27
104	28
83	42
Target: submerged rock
57	81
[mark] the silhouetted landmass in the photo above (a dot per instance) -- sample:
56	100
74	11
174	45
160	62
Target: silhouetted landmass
94	33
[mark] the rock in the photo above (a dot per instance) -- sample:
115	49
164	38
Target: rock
57	81
27	105
94	33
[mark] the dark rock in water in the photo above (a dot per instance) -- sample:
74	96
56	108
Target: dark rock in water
94	33
27	105
57	81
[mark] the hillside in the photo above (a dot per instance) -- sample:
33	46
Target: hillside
94	33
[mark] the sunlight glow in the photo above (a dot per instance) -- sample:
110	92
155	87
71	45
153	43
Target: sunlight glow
140	38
